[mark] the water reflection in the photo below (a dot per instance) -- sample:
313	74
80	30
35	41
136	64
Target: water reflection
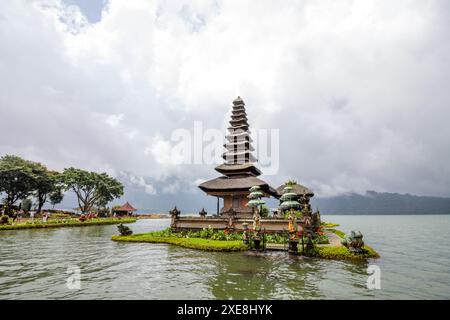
274	275
33	265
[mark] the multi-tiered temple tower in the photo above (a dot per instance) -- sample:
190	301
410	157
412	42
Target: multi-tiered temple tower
238	171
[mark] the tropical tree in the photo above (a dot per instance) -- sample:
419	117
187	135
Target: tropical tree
17	179
46	183
91	188
56	196
26	205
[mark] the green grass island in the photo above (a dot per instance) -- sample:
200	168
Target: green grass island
328	246
67	222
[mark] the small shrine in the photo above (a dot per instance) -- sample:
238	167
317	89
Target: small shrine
125	210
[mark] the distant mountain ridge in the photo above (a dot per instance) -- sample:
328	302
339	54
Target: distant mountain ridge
381	203
369	203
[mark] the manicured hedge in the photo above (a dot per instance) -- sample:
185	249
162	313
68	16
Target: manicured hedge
60	223
192	243
342	253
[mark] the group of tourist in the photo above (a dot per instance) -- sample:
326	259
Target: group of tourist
88	216
18	216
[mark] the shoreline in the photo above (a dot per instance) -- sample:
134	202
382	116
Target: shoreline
334	250
66	223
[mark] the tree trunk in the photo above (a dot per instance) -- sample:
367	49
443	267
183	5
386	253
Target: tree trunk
41	202
9	203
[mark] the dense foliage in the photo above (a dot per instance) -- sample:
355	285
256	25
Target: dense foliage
210	233
193	243
91	188
17	180
56	223
21	179
124	230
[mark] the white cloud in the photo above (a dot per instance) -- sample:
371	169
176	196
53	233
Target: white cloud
172	188
139	182
357	88
114	119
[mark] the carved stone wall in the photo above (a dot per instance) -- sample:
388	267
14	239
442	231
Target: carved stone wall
271	225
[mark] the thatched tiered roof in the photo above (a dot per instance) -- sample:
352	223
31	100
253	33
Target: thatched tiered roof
296	188
223	184
238	148
126	207
239	171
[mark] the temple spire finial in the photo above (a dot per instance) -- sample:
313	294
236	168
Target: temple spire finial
238	148
238	101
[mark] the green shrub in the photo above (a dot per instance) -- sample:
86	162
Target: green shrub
206	233
340	233
124	230
342	253
329	225
321	239
276	238
297	213
66	223
59	215
4	219
265	211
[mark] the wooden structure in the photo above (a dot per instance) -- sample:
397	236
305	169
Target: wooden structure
125	210
238	171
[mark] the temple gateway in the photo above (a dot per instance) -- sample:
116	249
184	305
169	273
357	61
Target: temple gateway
238	175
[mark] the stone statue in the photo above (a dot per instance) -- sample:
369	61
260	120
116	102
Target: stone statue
174	214
354	242
292	227
309	244
293	232
245	235
307	233
203	213
257	230
256	222
231	215
307	224
316	222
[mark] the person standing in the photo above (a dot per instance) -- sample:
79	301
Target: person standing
19	215
32	216
14	216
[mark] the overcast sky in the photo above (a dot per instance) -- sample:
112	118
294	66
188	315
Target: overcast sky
360	90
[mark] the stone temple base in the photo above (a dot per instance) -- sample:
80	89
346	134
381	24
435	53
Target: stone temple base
269	225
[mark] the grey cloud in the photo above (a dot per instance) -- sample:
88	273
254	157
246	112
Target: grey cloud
359	90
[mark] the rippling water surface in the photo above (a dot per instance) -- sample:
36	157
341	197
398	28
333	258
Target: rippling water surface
414	265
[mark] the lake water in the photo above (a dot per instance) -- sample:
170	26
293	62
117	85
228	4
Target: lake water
414	264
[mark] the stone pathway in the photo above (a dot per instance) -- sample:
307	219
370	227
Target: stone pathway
276	247
333	238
